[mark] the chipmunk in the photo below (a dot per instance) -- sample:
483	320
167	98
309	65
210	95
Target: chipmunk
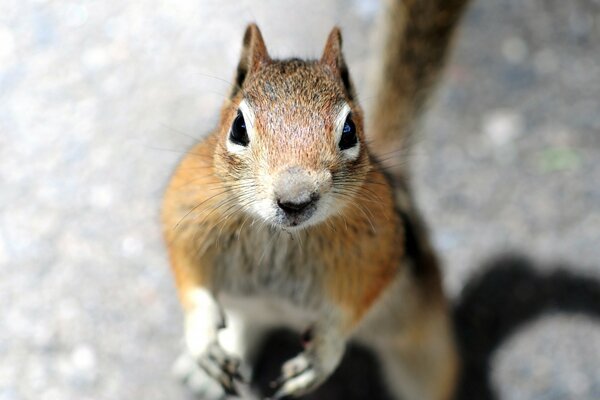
284	217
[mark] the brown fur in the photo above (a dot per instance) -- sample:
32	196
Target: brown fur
368	263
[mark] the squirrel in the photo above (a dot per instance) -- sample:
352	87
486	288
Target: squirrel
284	216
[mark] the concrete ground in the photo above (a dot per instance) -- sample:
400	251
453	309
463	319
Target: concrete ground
99	99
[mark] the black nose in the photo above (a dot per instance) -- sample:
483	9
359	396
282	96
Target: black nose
293	208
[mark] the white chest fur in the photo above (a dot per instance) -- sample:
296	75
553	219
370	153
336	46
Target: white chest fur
271	265
267	310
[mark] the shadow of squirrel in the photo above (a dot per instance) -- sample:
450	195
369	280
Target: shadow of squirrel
508	291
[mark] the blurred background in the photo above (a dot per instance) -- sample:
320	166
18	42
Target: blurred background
99	99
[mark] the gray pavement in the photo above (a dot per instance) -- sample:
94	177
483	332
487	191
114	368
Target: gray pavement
99	99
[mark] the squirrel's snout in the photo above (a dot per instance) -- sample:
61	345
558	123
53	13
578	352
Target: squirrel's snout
296	191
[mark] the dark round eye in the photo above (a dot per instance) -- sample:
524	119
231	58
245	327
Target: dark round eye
238	133
348	138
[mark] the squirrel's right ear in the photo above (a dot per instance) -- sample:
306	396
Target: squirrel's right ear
254	55
333	58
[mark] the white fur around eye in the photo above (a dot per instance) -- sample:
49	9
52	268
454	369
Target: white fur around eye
352	153
248	115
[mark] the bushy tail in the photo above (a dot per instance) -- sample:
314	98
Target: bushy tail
416	45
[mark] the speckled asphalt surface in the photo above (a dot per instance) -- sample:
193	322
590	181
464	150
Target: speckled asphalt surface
100	98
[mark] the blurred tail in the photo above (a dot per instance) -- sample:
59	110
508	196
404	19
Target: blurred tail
416	44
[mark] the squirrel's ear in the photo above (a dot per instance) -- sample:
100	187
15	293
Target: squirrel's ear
254	55
332	55
334	59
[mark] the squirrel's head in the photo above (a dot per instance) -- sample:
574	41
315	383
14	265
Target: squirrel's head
291	144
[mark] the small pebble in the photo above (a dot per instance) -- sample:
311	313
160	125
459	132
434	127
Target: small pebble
502	126
514	50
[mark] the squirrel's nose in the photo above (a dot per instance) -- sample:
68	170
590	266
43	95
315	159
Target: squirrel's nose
295	189
292	208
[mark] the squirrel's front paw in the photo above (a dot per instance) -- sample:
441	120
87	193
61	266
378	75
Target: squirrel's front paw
218	366
299	375
187	371
222	367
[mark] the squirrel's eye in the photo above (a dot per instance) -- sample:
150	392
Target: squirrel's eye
238	133
348	138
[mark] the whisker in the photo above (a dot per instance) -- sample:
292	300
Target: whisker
231	84
179	151
180	132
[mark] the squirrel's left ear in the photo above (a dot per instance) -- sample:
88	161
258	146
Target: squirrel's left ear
334	59
254	55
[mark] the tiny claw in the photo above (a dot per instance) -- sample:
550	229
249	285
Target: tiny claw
228	385
231	392
232	364
239	377
230	389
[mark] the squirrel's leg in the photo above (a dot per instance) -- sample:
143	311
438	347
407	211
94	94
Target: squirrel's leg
324	343
209	368
240	339
413	339
420	362
243	338
204	318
